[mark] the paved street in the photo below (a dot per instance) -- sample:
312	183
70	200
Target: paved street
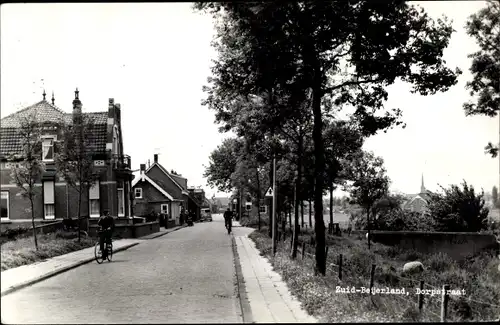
187	276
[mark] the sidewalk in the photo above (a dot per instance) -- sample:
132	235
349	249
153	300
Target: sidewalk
22	276
269	298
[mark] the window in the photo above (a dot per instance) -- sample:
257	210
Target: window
115	140
249	206
48	149
5	205
164	208
263	208
48	200
138	193
121	201
94	204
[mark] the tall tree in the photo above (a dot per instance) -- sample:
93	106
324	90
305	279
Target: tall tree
222	164
484	26
279	45
27	166
370	185
75	159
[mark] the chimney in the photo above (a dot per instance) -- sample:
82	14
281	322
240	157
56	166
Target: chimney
156	158
143	169
77	108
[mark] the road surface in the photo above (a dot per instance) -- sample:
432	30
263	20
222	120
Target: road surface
187	276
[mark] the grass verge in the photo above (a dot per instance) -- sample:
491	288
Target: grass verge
479	277
21	251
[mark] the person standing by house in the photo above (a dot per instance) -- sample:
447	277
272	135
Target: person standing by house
107	225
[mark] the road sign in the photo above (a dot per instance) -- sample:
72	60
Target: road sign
269	192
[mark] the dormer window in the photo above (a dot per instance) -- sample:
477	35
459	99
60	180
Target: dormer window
48	149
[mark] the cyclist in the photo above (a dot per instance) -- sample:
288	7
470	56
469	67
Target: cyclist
228	216
107	225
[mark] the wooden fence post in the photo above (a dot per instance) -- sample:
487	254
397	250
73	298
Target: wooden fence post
421	297
444	303
303	249
372	277
340	267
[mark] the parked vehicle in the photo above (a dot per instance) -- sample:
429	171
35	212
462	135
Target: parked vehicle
206	214
189	221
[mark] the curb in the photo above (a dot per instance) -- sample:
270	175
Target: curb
59	271
246	311
163	234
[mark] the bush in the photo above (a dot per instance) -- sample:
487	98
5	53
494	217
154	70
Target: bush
12	233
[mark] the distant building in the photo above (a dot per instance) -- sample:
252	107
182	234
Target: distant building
418	202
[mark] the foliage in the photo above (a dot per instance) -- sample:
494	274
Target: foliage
371	182
458	209
222	164
74	160
277	50
28	166
402	220
484	26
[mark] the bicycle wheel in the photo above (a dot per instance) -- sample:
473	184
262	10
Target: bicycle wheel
110	252
98	257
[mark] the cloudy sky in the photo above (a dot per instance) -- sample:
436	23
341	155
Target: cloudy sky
153	59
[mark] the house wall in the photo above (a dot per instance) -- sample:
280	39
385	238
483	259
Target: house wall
151	199
66	197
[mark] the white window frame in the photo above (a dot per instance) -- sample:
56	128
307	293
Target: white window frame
123	200
45	204
48	137
135	192
96	199
248	207
6	195
164	205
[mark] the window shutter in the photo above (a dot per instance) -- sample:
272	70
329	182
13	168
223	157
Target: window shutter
48	192
94	191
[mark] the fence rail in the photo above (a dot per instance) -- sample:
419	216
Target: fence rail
432	303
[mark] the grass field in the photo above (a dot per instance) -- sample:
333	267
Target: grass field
479	277
21	251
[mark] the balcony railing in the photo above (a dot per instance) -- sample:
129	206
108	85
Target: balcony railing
121	161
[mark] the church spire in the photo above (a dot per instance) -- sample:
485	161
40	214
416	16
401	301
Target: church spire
422	187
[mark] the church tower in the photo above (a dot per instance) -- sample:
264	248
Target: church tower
422	187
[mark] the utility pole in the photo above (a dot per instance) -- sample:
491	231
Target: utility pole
274	207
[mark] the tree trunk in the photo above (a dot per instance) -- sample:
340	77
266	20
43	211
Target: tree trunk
302	213
319	167
258	194
33	223
368	226
310	213
331	205
298	185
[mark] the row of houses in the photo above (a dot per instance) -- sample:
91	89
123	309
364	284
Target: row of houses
116	188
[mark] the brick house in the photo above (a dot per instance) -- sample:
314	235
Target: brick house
156	190
56	200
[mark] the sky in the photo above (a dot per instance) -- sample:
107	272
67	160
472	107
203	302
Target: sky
154	58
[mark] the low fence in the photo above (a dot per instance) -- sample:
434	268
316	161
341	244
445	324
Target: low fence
129	230
432	299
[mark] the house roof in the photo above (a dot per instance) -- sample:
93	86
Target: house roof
145	178
184	191
46	112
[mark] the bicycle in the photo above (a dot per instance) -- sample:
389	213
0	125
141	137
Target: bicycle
98	253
